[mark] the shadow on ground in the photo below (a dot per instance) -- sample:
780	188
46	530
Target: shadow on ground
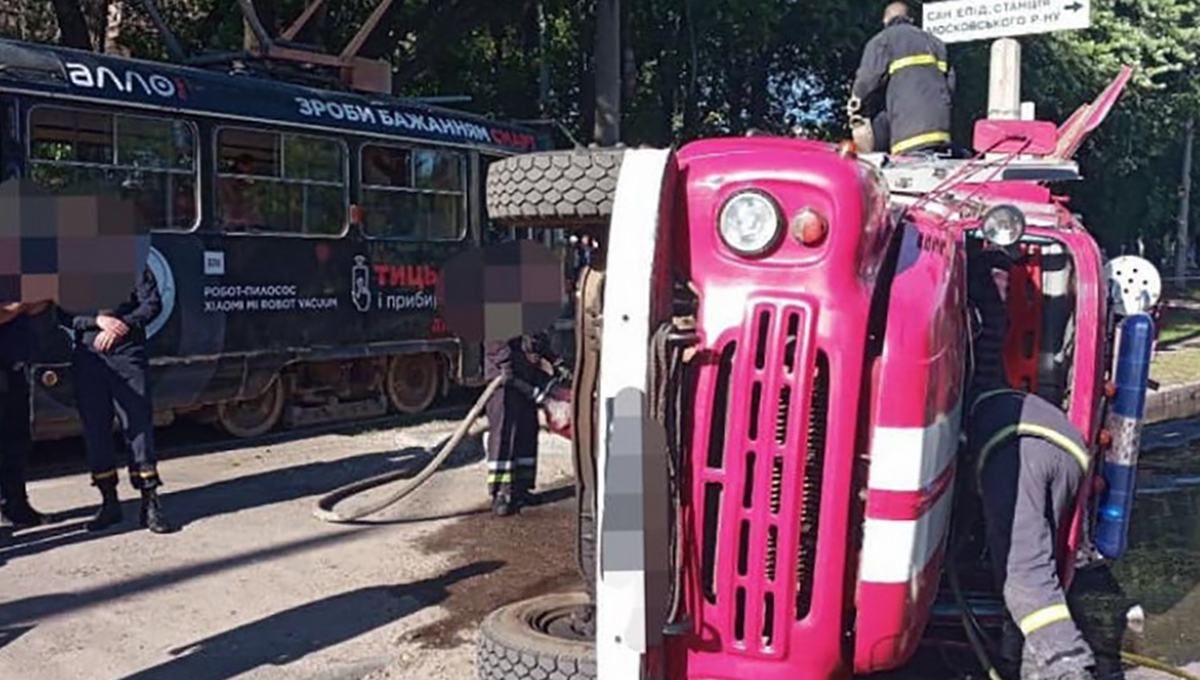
243	493
185	438
287	636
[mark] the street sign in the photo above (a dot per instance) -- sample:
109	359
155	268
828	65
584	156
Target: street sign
967	20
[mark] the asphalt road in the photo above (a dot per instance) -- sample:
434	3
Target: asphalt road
253	586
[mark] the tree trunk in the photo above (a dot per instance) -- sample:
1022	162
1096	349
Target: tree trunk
607	131
629	66
114	24
760	92
71	24
543	61
585	25
1182	239
691	100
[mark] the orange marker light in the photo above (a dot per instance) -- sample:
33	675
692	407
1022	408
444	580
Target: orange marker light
848	149
809	227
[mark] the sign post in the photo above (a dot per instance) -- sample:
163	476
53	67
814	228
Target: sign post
955	21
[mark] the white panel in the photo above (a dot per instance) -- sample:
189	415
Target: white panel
633	235
911	458
895	551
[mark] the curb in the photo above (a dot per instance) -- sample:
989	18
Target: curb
1173	403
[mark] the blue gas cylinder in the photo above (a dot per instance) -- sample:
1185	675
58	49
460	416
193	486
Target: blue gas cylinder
1135	343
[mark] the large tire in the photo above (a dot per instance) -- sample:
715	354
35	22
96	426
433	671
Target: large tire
554	188
517	642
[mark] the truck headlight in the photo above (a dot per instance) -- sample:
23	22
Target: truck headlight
750	223
1003	225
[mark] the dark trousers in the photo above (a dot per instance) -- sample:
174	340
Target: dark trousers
116	382
512	442
512	438
15	438
1028	485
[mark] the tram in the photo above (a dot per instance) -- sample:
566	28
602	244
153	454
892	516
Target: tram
298	233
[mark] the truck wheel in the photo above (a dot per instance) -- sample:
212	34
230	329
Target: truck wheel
253	417
413	382
536	639
551	188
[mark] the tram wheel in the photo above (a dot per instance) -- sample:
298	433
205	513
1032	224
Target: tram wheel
253	417
413	382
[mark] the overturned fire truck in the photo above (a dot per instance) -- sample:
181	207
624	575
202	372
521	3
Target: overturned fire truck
773	346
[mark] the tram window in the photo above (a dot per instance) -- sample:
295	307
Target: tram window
150	160
413	194
280	183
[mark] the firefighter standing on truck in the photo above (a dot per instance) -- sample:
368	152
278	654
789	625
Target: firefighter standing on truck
512	438
110	368
904	87
1027	461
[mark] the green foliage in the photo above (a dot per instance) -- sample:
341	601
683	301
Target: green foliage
696	68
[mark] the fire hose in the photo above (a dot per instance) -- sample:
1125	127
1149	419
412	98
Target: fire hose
326	504
974	632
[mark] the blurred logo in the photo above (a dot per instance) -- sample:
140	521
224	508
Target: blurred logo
360	284
166	290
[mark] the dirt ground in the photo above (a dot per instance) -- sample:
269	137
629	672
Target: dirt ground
253	586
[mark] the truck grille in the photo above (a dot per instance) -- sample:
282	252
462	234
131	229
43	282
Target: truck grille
760	480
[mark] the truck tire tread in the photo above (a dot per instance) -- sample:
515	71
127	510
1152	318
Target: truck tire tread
575	186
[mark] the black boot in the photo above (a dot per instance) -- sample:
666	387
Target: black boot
16	508
152	515
21	515
110	508
503	505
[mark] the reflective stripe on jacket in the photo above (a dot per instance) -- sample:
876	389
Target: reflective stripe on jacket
906	72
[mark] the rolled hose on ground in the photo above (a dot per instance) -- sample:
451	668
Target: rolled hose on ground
324	510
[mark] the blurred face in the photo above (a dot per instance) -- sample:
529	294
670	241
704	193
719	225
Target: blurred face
81	251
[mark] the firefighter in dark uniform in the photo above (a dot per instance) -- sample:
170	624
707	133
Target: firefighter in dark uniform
111	369
512	415
1028	462
16	442
904	86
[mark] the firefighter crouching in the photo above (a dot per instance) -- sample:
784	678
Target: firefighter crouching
1027	461
111	369
903	89
512	438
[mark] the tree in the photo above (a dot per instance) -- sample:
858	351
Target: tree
72	26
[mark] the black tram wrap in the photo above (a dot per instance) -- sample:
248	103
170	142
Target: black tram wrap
243	303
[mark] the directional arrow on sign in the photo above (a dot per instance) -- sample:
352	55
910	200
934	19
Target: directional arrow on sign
957	21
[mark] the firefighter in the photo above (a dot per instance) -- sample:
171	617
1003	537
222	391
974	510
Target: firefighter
1028	462
110	369
16	343
904	86
512	414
